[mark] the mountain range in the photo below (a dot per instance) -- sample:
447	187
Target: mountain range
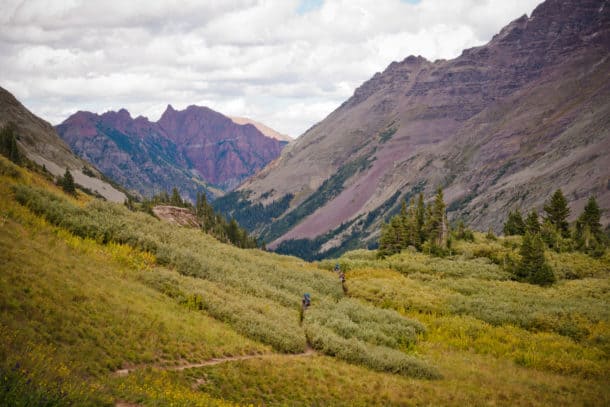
498	128
195	150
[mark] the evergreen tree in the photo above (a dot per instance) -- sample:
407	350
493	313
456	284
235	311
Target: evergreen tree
67	183
532	224
393	237
400	233
551	236
162	198
461	232
533	267
199	204
386	247
8	144
514	224
589	235
233	232
557	211
403	210
176	199
427	229
421	218
413	233
437	221
404	220
591	216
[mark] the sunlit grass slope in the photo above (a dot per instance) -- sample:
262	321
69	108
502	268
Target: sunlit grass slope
468	303
72	311
260	294
469	379
89	288
89	281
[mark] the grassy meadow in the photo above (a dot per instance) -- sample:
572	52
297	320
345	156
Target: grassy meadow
89	288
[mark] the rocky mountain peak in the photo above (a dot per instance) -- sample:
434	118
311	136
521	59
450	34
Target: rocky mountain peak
168	114
121	119
499	127
196	140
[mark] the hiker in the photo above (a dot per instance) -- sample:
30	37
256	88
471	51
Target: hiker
337	268
342	279
306	300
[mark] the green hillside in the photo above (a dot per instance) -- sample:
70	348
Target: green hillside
104	306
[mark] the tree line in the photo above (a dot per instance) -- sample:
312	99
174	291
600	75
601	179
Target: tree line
213	223
425	228
422	227
585	235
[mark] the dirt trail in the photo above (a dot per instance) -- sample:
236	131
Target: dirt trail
216	361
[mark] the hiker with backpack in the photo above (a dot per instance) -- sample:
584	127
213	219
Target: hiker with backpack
306	301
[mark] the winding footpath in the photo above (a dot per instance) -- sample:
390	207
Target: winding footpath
216	361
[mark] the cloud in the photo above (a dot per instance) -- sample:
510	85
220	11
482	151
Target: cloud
286	63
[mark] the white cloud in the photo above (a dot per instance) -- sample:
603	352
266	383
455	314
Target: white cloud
256	58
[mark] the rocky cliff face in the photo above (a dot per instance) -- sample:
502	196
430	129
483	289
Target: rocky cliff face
41	144
500	127
194	150
177	216
225	153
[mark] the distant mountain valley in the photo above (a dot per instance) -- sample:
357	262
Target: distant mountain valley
194	150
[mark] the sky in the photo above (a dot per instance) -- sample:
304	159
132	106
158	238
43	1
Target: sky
285	63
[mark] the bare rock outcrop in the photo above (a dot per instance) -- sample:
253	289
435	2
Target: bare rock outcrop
176	215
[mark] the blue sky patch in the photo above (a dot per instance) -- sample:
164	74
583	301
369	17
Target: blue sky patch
305	6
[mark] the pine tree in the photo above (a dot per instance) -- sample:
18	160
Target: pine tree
404	220
589	235
551	235
557	211
421	218
437	222
400	234
161	198
461	232
532	224
386	238
8	143
591	216
67	183
514	224
403	210
413	233
198	205
533	267
176	199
